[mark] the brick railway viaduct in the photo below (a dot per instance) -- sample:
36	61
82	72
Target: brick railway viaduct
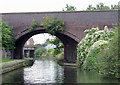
75	24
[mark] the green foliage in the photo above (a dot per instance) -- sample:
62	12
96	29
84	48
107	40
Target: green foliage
114	6
28	54
47	41
0	33
93	35
90	8
52	25
5	60
7	36
109	62
49	52
59	46
34	24
58	51
40	51
60	56
101	6
91	61
57	42
101	55
69	8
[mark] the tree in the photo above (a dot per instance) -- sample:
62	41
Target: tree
114	6
47	41
69	8
101	6
7	36
52	24
59	45
90	7
40	51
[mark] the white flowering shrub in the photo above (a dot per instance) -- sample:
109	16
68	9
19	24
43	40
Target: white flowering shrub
91	61
92	35
98	44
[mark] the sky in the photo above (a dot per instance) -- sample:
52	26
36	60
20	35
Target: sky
41	38
10	6
47	5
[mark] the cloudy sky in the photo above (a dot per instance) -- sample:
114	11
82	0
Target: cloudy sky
8	6
47	5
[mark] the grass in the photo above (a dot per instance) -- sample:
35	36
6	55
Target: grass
5	60
2	60
15	61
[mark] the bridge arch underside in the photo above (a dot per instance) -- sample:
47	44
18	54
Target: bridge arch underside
70	44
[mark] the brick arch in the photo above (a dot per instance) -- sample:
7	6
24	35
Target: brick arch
65	32
68	39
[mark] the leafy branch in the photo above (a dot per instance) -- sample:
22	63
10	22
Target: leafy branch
52	24
32	27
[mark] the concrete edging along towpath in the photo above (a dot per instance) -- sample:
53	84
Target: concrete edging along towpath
15	65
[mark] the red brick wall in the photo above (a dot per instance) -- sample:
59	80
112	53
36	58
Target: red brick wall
31	43
75	22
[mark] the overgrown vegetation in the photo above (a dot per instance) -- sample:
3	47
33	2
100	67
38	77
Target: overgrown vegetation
59	56
49	52
69	8
39	51
5	60
33	25
0	34
92	36
7	36
58	51
59	46
99	51
109	62
52	25
102	6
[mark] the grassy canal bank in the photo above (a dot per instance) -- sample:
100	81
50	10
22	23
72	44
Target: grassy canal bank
7	65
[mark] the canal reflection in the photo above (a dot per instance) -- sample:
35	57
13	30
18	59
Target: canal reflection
43	72
16	76
48	71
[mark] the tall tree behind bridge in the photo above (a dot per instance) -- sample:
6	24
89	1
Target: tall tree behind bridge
101	6
69	8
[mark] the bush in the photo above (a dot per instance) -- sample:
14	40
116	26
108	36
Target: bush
109	62
93	35
91	61
52	25
49	52
103	54
7	36
60	56
59	46
40	51
33	25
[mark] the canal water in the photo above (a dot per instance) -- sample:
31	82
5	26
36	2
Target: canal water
48	71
